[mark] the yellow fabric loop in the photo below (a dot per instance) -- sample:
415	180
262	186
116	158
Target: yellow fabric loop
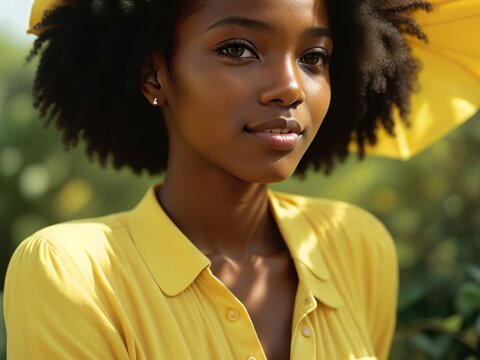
449	81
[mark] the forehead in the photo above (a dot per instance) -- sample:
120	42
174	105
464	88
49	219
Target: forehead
289	13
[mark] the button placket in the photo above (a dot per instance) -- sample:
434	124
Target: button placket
240	329
307	331
303	340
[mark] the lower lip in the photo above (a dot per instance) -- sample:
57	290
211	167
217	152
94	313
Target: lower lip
276	141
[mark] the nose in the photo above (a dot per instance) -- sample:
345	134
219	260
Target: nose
283	85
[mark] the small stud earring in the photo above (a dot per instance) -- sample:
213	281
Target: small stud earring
155	101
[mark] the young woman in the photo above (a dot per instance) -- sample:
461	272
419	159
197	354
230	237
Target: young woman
225	97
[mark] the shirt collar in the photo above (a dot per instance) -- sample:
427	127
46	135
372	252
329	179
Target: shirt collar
171	258
175	262
303	242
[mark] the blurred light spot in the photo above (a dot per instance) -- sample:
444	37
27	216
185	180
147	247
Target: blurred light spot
443	258
58	165
453	206
447	250
34	180
406	221
25	225
73	197
384	199
407	255
20	109
10	161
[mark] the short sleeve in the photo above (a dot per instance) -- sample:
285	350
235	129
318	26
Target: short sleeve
51	310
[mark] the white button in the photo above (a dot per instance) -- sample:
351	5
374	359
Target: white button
252	358
232	315
306	331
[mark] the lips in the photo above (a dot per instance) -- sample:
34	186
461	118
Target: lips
276	134
274	125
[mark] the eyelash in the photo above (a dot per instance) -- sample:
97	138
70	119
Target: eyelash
322	53
237	43
243	44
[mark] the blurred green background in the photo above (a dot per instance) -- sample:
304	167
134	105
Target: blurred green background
430	204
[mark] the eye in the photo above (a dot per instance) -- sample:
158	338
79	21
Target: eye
236	50
318	57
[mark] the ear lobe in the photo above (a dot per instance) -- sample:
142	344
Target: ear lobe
150	83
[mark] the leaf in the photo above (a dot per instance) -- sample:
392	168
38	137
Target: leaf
453	323
435	348
474	272
409	295
467	301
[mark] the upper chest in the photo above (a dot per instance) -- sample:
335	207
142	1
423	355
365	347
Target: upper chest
266	286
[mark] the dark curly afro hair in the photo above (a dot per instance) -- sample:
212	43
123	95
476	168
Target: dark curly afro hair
84	45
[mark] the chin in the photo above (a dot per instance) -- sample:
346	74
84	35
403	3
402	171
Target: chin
268	175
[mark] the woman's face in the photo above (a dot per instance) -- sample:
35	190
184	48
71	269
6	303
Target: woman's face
243	68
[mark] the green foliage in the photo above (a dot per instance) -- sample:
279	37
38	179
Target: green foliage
430	204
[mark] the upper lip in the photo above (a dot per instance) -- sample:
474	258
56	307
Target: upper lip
280	122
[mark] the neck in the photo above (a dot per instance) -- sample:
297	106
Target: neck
219	213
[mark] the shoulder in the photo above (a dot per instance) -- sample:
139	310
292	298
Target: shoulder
65	273
82	233
77	248
343	225
329	212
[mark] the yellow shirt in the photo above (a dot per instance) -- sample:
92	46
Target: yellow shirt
132	286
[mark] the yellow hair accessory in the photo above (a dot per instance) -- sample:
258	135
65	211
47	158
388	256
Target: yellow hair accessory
38	10
449	81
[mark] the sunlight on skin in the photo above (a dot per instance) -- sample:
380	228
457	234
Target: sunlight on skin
230	271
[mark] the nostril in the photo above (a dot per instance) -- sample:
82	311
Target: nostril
296	103
285	103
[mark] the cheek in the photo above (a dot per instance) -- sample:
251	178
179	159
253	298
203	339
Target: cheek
207	106
209	90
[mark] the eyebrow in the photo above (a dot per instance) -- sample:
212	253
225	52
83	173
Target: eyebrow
263	26
243	22
319	32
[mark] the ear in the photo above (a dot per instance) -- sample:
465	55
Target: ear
153	73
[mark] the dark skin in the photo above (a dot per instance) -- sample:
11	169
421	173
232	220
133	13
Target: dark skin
215	188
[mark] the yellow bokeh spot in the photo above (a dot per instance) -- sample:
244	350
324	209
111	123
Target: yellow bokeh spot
73	197
384	200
